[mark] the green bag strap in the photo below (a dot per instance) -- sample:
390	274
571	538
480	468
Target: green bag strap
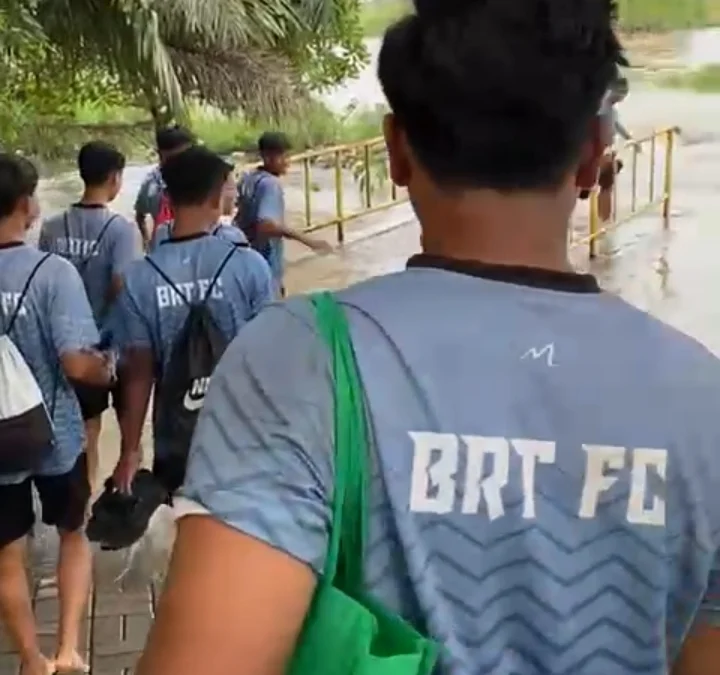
348	535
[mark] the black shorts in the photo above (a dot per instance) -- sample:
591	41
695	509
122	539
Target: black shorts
64	501
94	401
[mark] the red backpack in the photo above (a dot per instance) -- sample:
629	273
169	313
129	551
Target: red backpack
165	213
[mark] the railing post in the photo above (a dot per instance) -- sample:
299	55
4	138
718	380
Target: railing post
339	198
635	152
667	184
653	146
307	187
366	169
594	223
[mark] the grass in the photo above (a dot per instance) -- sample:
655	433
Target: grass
635	15
316	127
130	130
705	80
377	15
668	15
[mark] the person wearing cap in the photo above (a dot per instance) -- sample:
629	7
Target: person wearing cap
169	142
151	311
261	207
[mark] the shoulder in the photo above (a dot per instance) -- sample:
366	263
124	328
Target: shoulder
232	233
55	273
245	260
136	274
282	344
120	227
268	184
51	222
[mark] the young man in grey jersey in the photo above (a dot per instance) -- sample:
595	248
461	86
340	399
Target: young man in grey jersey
545	458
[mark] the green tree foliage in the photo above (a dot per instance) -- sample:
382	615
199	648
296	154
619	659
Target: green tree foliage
261	56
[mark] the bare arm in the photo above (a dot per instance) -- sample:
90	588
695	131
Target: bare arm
620	128
268	228
137	386
241	599
88	367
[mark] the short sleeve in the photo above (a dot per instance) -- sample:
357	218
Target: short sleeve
125	247
262	285
261	458
131	327
72	325
710	607
232	234
270	201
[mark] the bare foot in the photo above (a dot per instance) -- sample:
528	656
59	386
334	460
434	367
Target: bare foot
41	666
71	663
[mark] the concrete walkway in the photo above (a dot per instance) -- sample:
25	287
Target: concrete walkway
115	629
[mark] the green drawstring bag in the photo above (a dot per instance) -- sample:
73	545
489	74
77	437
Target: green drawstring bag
346	632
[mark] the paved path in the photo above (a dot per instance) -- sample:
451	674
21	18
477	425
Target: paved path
115	629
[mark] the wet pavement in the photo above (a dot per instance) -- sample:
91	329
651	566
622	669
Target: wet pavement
665	272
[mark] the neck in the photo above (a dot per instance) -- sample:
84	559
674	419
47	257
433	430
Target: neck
499	230
11	232
95	196
189	221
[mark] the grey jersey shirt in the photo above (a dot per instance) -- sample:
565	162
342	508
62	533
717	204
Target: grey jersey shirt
545	465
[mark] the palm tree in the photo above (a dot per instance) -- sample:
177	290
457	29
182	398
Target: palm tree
229	53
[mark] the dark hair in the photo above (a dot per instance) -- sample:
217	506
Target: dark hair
273	142
173	138
18	179
192	175
499	94
97	161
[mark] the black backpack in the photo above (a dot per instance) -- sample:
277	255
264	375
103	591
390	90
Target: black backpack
180	393
246	217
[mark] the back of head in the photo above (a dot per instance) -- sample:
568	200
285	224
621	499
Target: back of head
194	176
98	162
499	94
273	142
18	182
173	139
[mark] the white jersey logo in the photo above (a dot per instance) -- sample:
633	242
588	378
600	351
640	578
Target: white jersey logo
195	396
548	352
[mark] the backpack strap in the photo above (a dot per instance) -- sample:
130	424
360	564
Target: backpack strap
226	260
24	292
170	282
96	243
250	200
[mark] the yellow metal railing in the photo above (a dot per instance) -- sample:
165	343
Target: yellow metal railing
355	165
654	198
358	162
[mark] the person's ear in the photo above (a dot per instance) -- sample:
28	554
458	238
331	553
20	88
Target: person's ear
215	199
29	207
398	151
592	153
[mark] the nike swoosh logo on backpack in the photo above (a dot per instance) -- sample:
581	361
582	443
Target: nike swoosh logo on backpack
193	404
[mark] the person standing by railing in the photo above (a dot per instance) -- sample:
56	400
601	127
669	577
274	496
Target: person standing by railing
261	207
612	165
